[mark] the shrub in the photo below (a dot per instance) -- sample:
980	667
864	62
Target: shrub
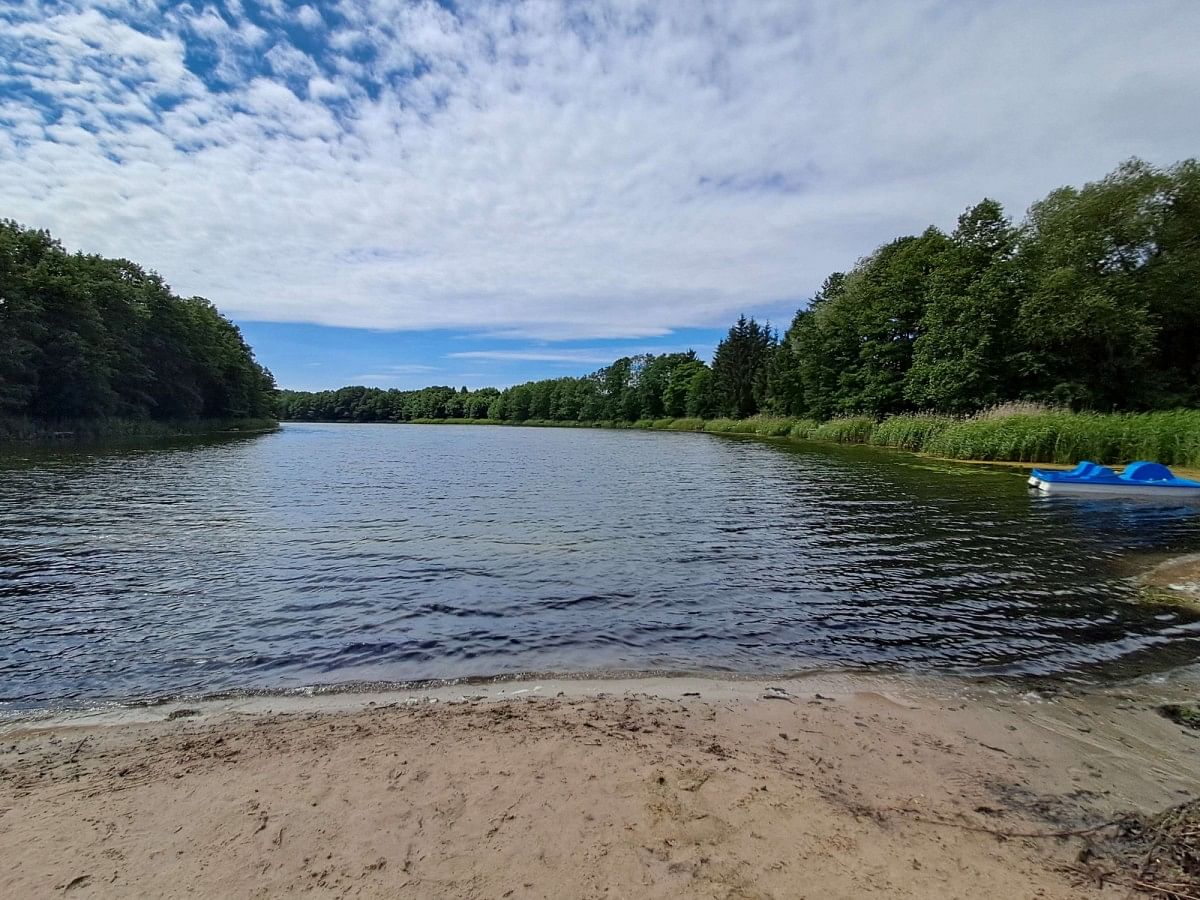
909	432
724	426
771	426
851	430
803	429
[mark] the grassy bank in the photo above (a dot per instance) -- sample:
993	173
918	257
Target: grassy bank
36	432
1005	435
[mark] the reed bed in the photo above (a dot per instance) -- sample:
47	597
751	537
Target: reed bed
803	429
771	426
420	421
686	425
849	430
1171	437
1015	432
909	432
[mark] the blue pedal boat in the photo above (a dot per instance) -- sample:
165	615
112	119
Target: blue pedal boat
1140	479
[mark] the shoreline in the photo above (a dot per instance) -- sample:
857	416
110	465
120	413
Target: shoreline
1180	470
1175	684
838	785
349	697
29	434
1175	581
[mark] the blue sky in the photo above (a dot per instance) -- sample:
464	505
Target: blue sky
399	192
316	357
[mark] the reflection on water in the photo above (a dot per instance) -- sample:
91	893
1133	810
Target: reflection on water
332	552
1133	522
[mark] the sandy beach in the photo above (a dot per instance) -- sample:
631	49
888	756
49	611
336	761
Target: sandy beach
820	788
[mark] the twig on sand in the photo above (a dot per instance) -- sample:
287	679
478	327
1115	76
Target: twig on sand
78	747
1164	890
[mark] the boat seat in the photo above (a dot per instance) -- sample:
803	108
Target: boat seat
1147	471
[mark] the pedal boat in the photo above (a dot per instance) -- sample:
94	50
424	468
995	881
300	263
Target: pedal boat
1140	479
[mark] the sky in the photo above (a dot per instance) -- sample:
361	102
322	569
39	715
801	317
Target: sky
403	193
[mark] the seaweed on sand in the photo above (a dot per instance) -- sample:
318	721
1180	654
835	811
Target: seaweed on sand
1182	714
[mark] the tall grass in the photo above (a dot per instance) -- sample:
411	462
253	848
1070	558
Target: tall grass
850	430
1171	437
419	421
1026	433
769	426
803	429
1017	408
909	432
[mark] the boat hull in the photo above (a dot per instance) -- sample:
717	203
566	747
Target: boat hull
1068	488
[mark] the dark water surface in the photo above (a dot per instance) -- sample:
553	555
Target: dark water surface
329	553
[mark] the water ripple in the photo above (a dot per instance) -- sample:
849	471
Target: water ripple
348	553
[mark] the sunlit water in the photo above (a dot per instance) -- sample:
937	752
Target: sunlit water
333	553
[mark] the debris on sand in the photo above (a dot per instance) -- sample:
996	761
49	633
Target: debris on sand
1159	854
1182	714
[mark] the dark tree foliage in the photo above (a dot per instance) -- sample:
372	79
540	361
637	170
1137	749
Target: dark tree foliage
962	359
740	369
82	337
1112	314
1092	302
631	388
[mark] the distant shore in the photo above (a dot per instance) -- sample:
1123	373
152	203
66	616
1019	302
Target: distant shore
1054	438
16	433
826	786
1045	438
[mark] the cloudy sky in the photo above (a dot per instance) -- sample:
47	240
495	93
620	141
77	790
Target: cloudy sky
402	193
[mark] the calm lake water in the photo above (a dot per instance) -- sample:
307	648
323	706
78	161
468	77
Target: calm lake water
334	553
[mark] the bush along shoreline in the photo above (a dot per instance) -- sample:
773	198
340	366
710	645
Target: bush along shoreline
25	432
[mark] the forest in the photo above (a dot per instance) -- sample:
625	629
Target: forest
89	339
1090	303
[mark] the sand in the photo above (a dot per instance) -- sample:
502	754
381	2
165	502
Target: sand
833	787
1176	580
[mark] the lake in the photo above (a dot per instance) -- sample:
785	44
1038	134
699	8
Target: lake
339	553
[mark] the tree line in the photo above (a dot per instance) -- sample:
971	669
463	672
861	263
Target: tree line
86	338
1091	302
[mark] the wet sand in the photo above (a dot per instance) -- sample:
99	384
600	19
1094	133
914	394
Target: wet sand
1176	580
822	788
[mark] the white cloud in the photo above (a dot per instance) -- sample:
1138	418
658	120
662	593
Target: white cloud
564	356
287	61
309	17
321	88
210	23
557	171
410	369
